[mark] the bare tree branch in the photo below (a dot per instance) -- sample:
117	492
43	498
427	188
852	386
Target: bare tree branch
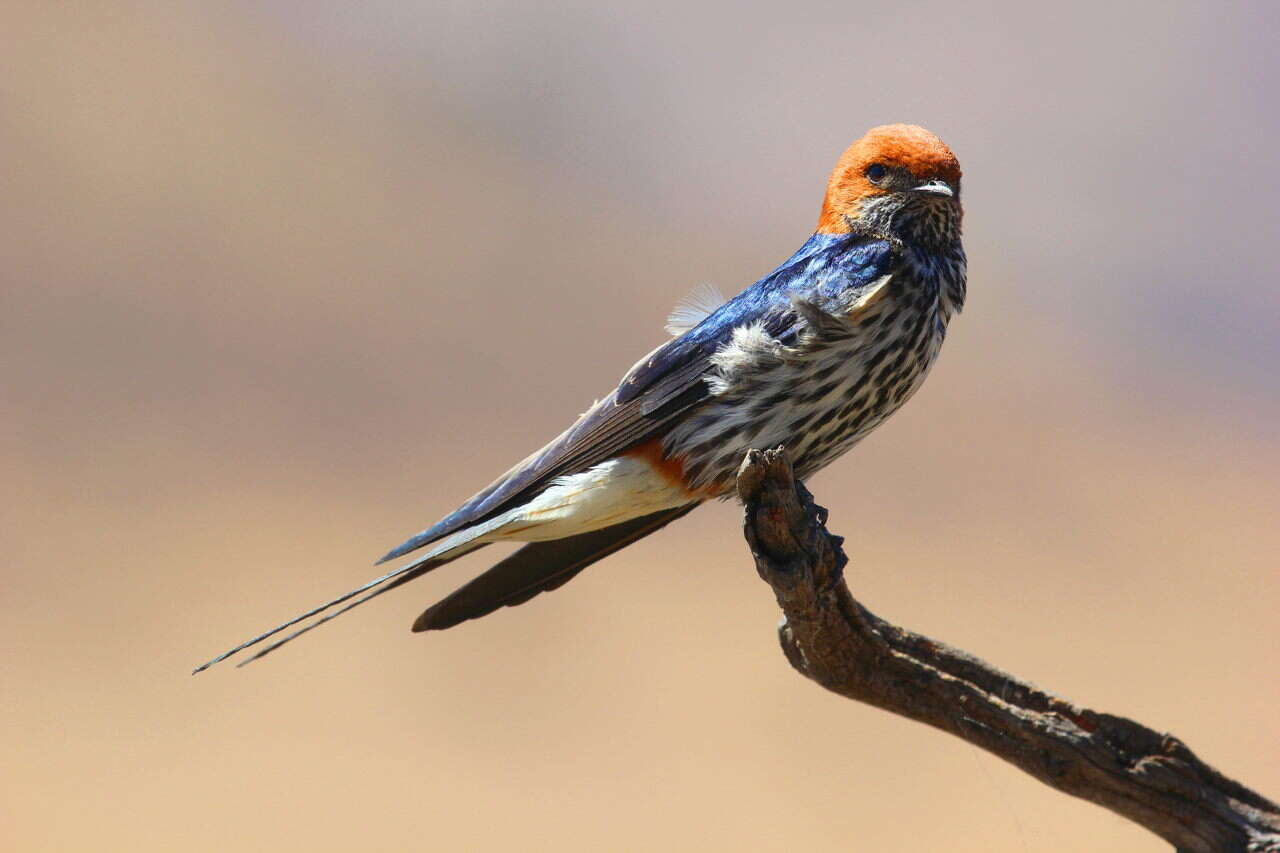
1147	777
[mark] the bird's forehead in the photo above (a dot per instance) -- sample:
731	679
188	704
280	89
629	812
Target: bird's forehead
907	146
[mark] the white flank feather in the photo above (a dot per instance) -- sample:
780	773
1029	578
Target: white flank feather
609	493
694	308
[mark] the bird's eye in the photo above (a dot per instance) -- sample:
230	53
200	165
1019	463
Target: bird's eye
876	173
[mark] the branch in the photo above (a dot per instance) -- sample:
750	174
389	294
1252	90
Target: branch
1147	777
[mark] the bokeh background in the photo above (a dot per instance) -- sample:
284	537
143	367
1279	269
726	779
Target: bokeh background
283	282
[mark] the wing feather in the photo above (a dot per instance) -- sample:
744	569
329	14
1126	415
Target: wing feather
663	385
672	379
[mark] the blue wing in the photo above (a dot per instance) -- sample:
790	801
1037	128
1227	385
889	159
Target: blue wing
671	380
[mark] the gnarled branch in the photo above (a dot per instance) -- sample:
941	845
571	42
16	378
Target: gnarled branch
1147	777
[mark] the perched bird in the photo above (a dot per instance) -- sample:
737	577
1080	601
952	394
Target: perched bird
813	356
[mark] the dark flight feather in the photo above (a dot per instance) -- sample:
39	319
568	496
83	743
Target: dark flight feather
539	567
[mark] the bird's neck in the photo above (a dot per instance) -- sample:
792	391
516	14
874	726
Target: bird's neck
943	271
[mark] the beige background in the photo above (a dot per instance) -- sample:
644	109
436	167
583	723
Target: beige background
283	282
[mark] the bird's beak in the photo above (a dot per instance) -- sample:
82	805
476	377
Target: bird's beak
935	187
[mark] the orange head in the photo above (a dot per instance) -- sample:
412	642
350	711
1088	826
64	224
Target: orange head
893	167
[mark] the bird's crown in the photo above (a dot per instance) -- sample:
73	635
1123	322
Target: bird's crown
888	160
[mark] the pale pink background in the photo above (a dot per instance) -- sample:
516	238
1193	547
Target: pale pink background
283	282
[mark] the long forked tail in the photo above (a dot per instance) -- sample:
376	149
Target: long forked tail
539	567
535	568
401	575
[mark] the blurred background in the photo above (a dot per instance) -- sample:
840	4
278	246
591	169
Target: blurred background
284	282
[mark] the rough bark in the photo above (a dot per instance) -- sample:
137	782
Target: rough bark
1143	775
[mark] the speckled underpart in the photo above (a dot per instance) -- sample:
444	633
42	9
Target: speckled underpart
850	369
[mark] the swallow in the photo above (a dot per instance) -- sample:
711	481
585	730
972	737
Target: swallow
812	357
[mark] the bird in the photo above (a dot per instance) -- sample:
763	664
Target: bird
812	357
